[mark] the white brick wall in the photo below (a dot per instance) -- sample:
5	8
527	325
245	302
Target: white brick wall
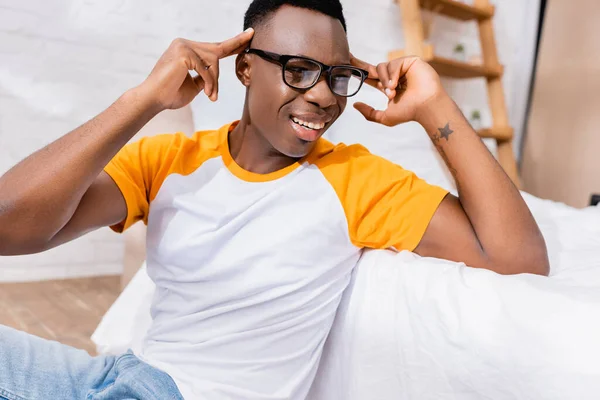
63	61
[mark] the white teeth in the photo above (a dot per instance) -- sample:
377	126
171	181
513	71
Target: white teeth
308	124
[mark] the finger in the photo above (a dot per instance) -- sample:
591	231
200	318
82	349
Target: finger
394	74
202	68
211	85
384	78
199	82
209	63
376	83
399	67
214	71
371	114
212	66
205	74
239	49
191	82
234	45
358	63
395	71
372	82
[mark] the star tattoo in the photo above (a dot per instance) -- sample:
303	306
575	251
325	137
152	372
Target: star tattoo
445	131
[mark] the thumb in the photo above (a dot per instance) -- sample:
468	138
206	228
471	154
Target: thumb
371	114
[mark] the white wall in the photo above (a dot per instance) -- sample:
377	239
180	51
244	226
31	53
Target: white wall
63	61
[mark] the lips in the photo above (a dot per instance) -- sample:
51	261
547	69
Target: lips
305	133
309	127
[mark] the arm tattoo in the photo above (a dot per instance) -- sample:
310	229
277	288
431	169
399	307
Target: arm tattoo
444	133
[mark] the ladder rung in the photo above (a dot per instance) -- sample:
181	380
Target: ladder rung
456	9
457	69
453	68
498	133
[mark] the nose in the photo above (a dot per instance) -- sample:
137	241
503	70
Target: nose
320	94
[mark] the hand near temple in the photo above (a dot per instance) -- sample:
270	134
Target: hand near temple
409	84
170	85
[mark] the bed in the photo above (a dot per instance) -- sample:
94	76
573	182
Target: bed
420	328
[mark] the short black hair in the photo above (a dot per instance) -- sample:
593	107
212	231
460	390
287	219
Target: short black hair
260	10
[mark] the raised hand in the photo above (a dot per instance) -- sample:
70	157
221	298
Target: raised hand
170	85
408	82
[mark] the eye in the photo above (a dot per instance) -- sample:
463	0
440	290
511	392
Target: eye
297	73
301	73
345	81
296	69
340	82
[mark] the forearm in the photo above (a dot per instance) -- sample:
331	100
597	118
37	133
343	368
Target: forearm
40	194
508	234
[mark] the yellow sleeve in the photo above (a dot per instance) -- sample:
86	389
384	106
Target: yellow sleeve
386	206
138	170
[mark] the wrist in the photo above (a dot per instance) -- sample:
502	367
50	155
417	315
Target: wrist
142	98
435	106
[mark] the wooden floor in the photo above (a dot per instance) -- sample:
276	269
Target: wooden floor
67	311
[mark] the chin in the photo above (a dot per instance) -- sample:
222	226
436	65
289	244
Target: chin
298	144
297	150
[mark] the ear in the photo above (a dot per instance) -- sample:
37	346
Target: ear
242	69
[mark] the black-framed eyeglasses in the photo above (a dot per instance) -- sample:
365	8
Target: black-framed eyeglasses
303	73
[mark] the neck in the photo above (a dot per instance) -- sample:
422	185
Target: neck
252	152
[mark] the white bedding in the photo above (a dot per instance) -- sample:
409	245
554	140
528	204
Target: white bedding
421	328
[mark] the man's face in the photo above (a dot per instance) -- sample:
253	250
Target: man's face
273	106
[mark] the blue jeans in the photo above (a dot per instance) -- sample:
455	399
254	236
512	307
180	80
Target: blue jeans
32	368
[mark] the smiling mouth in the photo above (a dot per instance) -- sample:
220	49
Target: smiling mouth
308	125
307	131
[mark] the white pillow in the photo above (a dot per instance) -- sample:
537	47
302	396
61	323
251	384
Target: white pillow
126	322
421	328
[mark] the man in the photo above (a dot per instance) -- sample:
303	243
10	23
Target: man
253	229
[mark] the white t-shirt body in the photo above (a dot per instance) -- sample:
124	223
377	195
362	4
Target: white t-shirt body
249	268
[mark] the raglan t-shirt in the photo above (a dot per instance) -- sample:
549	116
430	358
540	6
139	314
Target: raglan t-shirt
250	268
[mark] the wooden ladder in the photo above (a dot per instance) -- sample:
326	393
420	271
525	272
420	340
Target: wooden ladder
481	11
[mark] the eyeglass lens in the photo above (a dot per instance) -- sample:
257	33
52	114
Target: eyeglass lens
302	74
